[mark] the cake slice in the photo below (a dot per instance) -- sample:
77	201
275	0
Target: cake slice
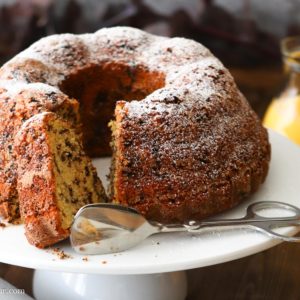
55	178
17	106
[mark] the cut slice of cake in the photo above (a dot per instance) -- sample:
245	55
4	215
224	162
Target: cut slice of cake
16	106
55	178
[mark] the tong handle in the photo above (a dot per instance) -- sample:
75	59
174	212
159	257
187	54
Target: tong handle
252	218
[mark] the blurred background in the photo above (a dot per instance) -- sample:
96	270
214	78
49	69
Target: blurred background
244	34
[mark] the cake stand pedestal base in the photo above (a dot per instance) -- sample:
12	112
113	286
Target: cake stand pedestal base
49	285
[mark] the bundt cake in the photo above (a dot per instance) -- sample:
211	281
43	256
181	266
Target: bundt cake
55	178
185	142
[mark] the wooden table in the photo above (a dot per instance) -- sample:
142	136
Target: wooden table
272	274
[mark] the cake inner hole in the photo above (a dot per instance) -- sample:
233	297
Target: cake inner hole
98	88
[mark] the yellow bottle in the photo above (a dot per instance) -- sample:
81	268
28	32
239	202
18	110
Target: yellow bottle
283	114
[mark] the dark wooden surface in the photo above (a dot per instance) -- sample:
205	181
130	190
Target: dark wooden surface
272	274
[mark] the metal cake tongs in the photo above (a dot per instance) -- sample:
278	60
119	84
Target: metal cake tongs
108	228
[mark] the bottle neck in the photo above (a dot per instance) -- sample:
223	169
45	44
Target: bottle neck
294	79
293	82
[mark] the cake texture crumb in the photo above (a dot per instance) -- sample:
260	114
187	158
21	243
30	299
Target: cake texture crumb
2	225
61	254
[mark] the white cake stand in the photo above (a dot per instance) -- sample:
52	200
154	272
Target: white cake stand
155	269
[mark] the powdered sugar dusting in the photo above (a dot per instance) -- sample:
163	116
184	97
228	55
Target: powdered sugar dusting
184	62
62	55
14	88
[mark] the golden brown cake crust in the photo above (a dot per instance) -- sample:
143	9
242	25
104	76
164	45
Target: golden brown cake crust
187	143
181	162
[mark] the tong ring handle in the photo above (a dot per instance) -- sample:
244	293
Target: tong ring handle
259	206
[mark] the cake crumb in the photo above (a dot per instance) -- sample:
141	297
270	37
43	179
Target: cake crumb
2	225
85	258
61	254
104	262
